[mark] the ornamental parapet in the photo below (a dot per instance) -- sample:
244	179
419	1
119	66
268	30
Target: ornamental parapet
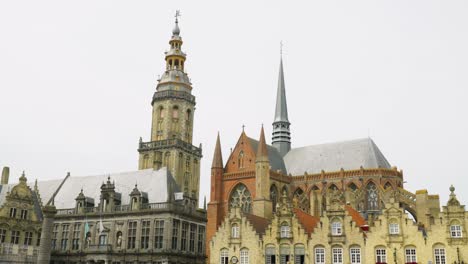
348	174
170	143
239	175
126	209
173	94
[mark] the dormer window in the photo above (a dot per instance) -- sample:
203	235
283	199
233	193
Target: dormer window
456	231
285	231
394	228
235	231
336	228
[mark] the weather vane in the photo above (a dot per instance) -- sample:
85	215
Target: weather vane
177	14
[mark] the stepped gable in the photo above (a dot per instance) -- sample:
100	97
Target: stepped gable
356	216
349	155
159	184
258	223
307	221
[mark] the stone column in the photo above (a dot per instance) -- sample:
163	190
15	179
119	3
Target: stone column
49	211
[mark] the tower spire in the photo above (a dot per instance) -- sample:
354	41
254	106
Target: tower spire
281	137
218	156
262	151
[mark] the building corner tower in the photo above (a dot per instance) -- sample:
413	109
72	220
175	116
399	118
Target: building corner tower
281	136
172	123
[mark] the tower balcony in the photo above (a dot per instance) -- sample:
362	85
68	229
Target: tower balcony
169	143
172	94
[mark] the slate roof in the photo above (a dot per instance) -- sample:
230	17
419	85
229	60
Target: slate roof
349	155
276	161
157	183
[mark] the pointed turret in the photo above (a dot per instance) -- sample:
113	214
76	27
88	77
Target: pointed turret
262	151
281	136
218	156
262	205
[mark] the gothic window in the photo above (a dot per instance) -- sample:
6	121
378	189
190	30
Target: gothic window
372	197
240	160
332	187
388	185
285	190
240	197
274	197
352	187
300	200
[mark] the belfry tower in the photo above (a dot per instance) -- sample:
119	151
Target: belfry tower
281	136
172	123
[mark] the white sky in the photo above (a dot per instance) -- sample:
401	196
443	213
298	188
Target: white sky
77	77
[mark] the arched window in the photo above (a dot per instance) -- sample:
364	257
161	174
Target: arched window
285	253
352	187
161	112
175	112
380	255
332	187
240	197
299	254
188	115
224	256
439	255
355	255
372	197
337	255
273	197
285	190
319	255
336	228
285	231
456	229
393	228
244	256
410	255
388	185
240	160
270	254
235	231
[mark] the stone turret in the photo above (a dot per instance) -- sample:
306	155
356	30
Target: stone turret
5	175
135	198
262	205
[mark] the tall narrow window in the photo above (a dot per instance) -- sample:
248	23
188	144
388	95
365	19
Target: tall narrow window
12	212
285	254
244	256
270	255
54	237
183	238
158	234
24	214
15	237
175	112
319	255
145	233
131	234
380	255
439	256
235	231
337	255
28	238
224	256
2	235
175	233
372	197
273	197
410	255
76	236
38	241
103	240
201	239
285	230
355	255
337	229
64	242
299	254
193	229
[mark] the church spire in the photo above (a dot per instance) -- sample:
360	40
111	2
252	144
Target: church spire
262	151
218	156
281	139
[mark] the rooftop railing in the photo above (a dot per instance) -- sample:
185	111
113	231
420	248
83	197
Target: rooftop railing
162	95
175	142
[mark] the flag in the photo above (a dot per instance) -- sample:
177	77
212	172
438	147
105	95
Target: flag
86	229
101	226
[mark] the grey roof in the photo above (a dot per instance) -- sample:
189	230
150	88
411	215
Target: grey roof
276	161
159	184
281	112
348	155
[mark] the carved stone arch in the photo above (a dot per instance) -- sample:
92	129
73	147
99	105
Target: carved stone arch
372	196
285	189
352	186
332	187
240	196
301	200
274	195
387	185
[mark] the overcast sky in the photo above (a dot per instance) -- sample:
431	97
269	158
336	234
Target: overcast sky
77	78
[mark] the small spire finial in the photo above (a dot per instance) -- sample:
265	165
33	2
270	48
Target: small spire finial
243	127
281	48
177	15
176	30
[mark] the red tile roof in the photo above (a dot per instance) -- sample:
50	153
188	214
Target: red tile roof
356	216
307	221
258	223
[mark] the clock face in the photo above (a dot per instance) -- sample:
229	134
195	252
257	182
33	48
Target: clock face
234	260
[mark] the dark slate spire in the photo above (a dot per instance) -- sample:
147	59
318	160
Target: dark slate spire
281	137
218	156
